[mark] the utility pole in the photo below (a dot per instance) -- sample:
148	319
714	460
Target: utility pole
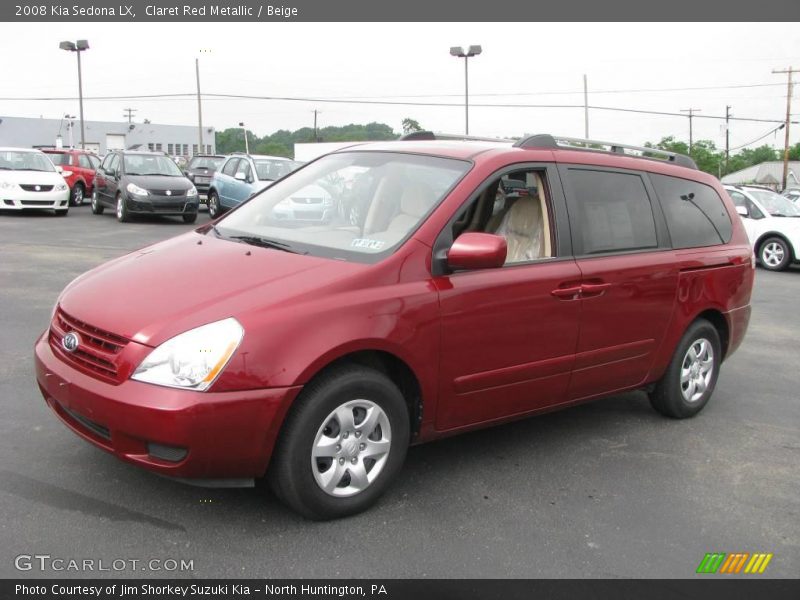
586	106
691	112
129	114
199	108
316	135
789	72
727	136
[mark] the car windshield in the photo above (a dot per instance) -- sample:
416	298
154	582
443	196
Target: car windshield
20	160
355	206
148	164
59	158
206	162
274	169
776	205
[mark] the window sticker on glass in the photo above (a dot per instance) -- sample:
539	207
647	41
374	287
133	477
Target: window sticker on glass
367	244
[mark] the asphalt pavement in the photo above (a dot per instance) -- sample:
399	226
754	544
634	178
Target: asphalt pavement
608	489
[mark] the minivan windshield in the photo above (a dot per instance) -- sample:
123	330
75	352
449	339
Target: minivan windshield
273	169
776	205
355	206
20	160
149	164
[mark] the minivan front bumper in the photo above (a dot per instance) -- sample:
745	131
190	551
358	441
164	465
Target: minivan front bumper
178	433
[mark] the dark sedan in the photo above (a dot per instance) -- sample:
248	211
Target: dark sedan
201	169
135	182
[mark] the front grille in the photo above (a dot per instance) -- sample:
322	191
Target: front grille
32	187
98	351
36	202
168	206
309	215
307	200
172	193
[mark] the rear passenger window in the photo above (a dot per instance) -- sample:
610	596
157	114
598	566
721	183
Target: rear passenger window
613	212
695	214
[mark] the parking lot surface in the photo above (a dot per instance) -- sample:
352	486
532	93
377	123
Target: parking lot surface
608	489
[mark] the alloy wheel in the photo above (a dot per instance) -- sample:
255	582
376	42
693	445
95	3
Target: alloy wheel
697	369
773	254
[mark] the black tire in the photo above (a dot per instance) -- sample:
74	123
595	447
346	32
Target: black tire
97	206
123	216
669	396
774	254
291	474
214	207
190	218
76	194
63	212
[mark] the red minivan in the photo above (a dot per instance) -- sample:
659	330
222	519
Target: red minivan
458	284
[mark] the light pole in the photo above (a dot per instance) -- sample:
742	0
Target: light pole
199	105
459	52
78	47
70	124
246	145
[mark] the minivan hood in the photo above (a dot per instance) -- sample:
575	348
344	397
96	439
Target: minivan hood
159	182
155	293
33	177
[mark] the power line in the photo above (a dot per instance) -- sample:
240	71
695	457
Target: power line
758	139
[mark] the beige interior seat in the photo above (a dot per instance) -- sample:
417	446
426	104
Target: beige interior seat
416	200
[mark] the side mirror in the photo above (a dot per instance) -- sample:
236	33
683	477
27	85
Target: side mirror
240	177
477	251
742	211
59	168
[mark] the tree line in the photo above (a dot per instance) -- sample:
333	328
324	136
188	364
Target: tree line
705	153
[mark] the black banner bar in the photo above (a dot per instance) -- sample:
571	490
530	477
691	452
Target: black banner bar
734	588
399	11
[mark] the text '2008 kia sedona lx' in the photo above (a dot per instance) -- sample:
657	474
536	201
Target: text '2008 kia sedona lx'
478	282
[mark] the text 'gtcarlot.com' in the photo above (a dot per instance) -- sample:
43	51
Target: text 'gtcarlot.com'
46	562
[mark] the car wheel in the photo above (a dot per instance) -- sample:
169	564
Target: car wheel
76	195
122	210
190	218
342	444
214	209
97	206
63	212
692	374
775	254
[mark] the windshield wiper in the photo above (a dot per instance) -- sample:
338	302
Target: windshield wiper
254	240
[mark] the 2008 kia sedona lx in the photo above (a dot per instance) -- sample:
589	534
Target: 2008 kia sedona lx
459	284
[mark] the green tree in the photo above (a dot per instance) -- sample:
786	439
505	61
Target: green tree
411	125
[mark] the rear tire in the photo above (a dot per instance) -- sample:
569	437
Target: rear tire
692	374
774	254
97	206
122	210
342	444
214	208
76	195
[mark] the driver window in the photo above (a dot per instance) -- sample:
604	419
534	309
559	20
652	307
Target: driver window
514	206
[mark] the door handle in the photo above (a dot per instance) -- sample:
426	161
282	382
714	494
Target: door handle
567	293
594	289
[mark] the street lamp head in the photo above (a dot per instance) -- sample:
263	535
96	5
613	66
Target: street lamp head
84	45
241	124
69	46
473	50
457	51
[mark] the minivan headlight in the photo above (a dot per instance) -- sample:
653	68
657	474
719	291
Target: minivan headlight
191	192
136	190
194	358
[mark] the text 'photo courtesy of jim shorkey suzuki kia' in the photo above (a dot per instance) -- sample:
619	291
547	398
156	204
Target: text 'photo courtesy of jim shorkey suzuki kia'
447	285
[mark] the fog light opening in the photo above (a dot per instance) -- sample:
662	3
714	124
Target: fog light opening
167	453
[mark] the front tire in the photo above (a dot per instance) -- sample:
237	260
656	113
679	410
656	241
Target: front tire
342	444
97	206
692	374
123	216
775	254
77	194
190	218
214	208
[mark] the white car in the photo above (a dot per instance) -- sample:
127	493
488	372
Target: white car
772	223
28	179
792	194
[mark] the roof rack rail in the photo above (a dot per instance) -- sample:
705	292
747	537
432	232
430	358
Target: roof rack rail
429	135
554	141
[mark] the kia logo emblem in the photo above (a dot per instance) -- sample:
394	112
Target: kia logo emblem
169	192
71	341
37	188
